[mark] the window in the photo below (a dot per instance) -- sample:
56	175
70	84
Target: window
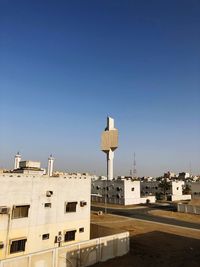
18	245
45	236
20	211
70	235
81	230
70	207
132	189
47	205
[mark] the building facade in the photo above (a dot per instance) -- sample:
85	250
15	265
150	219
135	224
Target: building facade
39	212
174	193
121	191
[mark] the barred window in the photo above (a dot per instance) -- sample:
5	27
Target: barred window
20	211
70	207
70	235
18	245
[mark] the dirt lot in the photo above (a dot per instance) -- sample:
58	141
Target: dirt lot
153	244
176	215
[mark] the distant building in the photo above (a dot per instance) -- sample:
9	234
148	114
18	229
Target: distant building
183	175
124	191
195	189
29	167
169	175
174	193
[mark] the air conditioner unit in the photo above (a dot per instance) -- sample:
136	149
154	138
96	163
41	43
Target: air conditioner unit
49	193
1	245
59	239
83	203
4	210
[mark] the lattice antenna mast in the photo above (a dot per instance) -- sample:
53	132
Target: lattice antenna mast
134	167
190	169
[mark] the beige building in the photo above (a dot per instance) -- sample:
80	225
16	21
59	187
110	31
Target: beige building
38	212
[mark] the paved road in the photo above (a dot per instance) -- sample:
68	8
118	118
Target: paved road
142	214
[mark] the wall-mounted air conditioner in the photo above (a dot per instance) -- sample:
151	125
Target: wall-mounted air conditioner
4	210
83	203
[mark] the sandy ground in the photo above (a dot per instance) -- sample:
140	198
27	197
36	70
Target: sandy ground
153	244
176	215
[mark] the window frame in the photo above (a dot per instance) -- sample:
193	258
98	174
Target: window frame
47	205
69	239
69	209
45	236
20	215
23	245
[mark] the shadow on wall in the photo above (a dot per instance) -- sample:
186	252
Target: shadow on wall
159	249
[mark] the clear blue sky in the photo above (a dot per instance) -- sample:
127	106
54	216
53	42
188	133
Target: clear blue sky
66	65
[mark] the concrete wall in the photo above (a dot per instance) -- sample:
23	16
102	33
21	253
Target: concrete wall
195	188
31	190
180	197
188	208
77	255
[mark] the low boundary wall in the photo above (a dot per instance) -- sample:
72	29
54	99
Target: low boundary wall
77	255
180	197
188	208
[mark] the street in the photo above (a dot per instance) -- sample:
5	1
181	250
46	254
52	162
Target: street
141	213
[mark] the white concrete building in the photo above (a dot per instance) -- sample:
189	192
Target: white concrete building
124	191
38	212
174	193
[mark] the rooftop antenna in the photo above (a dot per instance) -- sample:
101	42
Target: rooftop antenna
134	167
190	169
